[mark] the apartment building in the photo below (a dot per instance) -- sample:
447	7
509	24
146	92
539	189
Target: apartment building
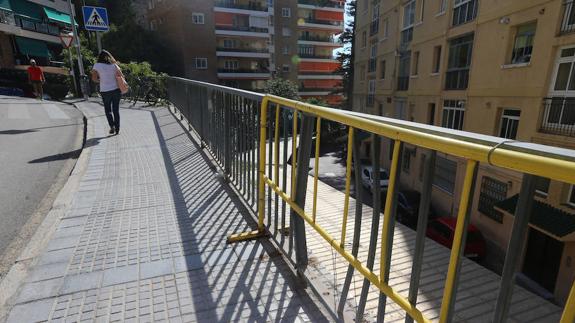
31	29
501	68
243	43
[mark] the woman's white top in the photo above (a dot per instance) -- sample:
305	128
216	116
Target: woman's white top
107	74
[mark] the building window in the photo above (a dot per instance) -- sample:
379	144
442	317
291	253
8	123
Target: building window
542	186
201	63
442	6
229	43
422	159
509	123
436	59
464	11
492	191
371	93
382	69
306	51
198	18
406	161
362	72
285	68
523	45
571	199
415	63
431	114
453	114
408	22
372	58
459	62
374	26
285	50
286	12
422	10
445	173
231	65
385	28
403	77
363	39
286	32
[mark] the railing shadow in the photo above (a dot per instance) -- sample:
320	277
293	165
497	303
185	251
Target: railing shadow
243	282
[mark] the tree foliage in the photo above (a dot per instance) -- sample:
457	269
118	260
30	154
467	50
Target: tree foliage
282	87
346	56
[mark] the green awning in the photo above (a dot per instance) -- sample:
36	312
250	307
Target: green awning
32	47
26	9
544	216
57	16
5	5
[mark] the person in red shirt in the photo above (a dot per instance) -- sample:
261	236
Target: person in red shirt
36	78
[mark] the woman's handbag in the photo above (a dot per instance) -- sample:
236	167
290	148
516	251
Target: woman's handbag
122	84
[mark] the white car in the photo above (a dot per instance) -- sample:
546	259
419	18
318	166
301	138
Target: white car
367	178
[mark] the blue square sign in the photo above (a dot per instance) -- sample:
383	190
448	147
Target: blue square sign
95	18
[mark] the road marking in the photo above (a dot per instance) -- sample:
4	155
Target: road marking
54	112
18	111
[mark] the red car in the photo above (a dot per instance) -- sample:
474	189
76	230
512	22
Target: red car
442	230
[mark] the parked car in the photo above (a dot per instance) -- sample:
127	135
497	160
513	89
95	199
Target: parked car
367	178
408	208
442	230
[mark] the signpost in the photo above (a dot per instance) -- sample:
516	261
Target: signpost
67	40
96	19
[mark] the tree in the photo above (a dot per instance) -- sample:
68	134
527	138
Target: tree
346	57
282	87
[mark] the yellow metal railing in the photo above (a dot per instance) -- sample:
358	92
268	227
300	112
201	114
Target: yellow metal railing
524	161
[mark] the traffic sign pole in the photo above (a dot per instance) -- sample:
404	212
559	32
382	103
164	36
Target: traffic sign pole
99	41
83	85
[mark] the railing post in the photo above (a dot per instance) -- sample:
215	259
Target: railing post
357	226
515	247
303	157
422	219
227	136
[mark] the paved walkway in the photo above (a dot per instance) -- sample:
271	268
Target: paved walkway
144	239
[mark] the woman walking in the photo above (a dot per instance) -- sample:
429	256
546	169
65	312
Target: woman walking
106	72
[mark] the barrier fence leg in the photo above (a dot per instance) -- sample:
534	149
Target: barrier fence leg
303	158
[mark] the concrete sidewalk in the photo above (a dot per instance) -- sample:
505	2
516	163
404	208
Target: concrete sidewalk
145	239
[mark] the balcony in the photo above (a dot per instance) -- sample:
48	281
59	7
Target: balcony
321	3
243	52
246	73
318	41
558	116
322	24
246	31
402	83
568	24
315	56
251	6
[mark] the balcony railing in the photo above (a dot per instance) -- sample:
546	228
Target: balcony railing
457	79
316	56
403	83
568	24
242	28
255	6
318	39
321	3
558	116
243	50
324	22
243	70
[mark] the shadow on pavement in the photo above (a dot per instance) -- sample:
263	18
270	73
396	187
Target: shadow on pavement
248	281
74	154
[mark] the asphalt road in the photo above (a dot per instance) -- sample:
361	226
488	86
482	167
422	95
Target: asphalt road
39	143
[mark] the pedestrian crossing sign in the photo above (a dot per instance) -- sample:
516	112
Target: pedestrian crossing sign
95	18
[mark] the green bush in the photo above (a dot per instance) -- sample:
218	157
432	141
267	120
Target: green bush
137	73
